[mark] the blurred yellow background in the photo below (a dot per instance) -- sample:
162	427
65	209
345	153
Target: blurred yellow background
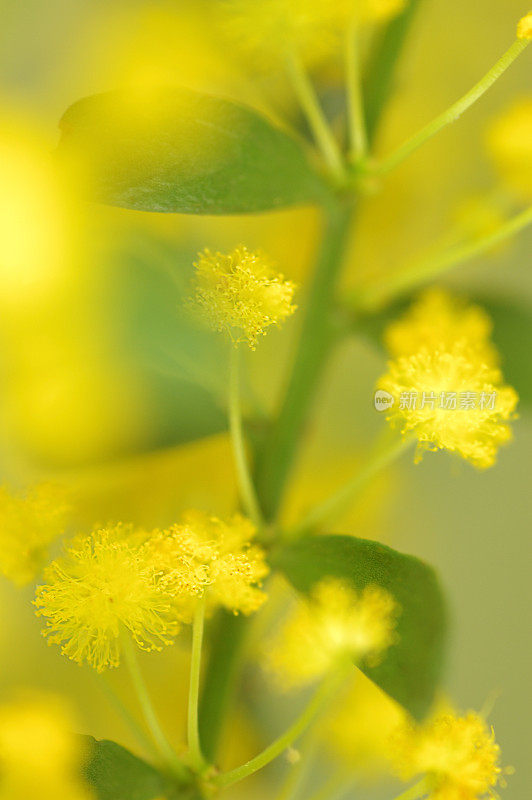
104	387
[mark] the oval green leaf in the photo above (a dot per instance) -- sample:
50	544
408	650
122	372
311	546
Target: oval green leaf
113	773
512	334
412	668
174	150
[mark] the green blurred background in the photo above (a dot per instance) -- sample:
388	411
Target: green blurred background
105	385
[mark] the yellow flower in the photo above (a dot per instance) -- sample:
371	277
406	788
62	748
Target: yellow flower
524	27
335	622
241	293
436	322
267	30
451	399
313	29
206	554
104	584
40	757
458	754
444	380
509	143
360	728
29	523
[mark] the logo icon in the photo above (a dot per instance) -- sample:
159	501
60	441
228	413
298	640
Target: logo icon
383	400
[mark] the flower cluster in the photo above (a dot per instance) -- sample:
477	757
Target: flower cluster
268	30
335	622
442	348
105	584
457	753
438	321
241	293
29	523
120	581
204	553
39	756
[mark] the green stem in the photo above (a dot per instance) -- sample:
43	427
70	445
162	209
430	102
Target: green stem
425	270
127	716
344	497
320	699
455	111
245	484
163	746
420	789
317	336
355	105
194	745
225	647
310	361
317	120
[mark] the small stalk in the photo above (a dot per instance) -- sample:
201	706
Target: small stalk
246	488
163	746
194	745
344	497
310	104
455	111
143	740
358	139
319	700
425	270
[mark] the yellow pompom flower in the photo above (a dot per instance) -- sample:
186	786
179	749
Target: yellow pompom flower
524	27
105	584
509	143
333	623
437	321
204	554
29	523
312	29
268	30
40	757
241	293
451	400
446	387
458	754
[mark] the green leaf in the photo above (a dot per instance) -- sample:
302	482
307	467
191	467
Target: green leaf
114	773
411	670
512	334
181	365
184	152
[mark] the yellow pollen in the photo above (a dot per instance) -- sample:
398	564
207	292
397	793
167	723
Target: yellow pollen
240	293
104	584
458	753
524	27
